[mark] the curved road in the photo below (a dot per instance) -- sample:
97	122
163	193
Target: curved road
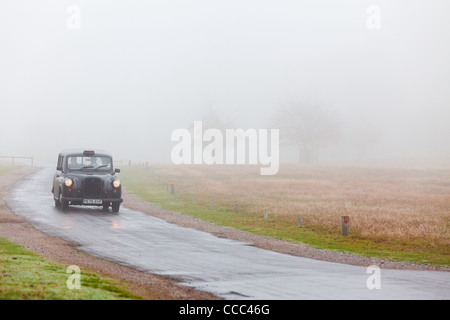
226	268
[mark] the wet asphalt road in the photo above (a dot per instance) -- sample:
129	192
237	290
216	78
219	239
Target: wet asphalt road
226	268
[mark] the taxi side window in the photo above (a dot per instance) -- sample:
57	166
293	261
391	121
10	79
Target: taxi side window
60	163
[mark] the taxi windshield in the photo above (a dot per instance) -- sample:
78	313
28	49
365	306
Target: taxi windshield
100	163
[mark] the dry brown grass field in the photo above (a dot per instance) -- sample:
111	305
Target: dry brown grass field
411	206
392	203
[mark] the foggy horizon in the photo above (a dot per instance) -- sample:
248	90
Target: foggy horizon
135	72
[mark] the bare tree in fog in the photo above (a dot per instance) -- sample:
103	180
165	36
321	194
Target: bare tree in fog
308	127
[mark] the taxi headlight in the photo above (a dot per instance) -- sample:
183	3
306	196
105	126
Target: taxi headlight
68	182
116	183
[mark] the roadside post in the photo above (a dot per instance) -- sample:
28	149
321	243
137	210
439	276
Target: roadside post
345	225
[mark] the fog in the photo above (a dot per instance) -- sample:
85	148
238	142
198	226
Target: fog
123	75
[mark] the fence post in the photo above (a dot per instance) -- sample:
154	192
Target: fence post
265	214
212	203
299	221
236	208
172	188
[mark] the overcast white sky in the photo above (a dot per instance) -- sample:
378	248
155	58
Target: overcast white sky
137	70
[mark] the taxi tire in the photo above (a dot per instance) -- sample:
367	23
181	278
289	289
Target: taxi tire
64	204
115	207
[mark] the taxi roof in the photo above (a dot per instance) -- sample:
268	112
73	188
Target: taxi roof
85	152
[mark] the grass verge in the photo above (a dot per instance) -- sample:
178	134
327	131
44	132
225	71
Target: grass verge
26	276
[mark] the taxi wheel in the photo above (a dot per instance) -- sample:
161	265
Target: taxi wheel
64	204
115	206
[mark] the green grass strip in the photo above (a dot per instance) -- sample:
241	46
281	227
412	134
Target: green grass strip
25	275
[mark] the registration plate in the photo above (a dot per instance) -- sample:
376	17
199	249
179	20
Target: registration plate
92	201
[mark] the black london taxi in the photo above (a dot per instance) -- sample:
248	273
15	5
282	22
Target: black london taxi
86	178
